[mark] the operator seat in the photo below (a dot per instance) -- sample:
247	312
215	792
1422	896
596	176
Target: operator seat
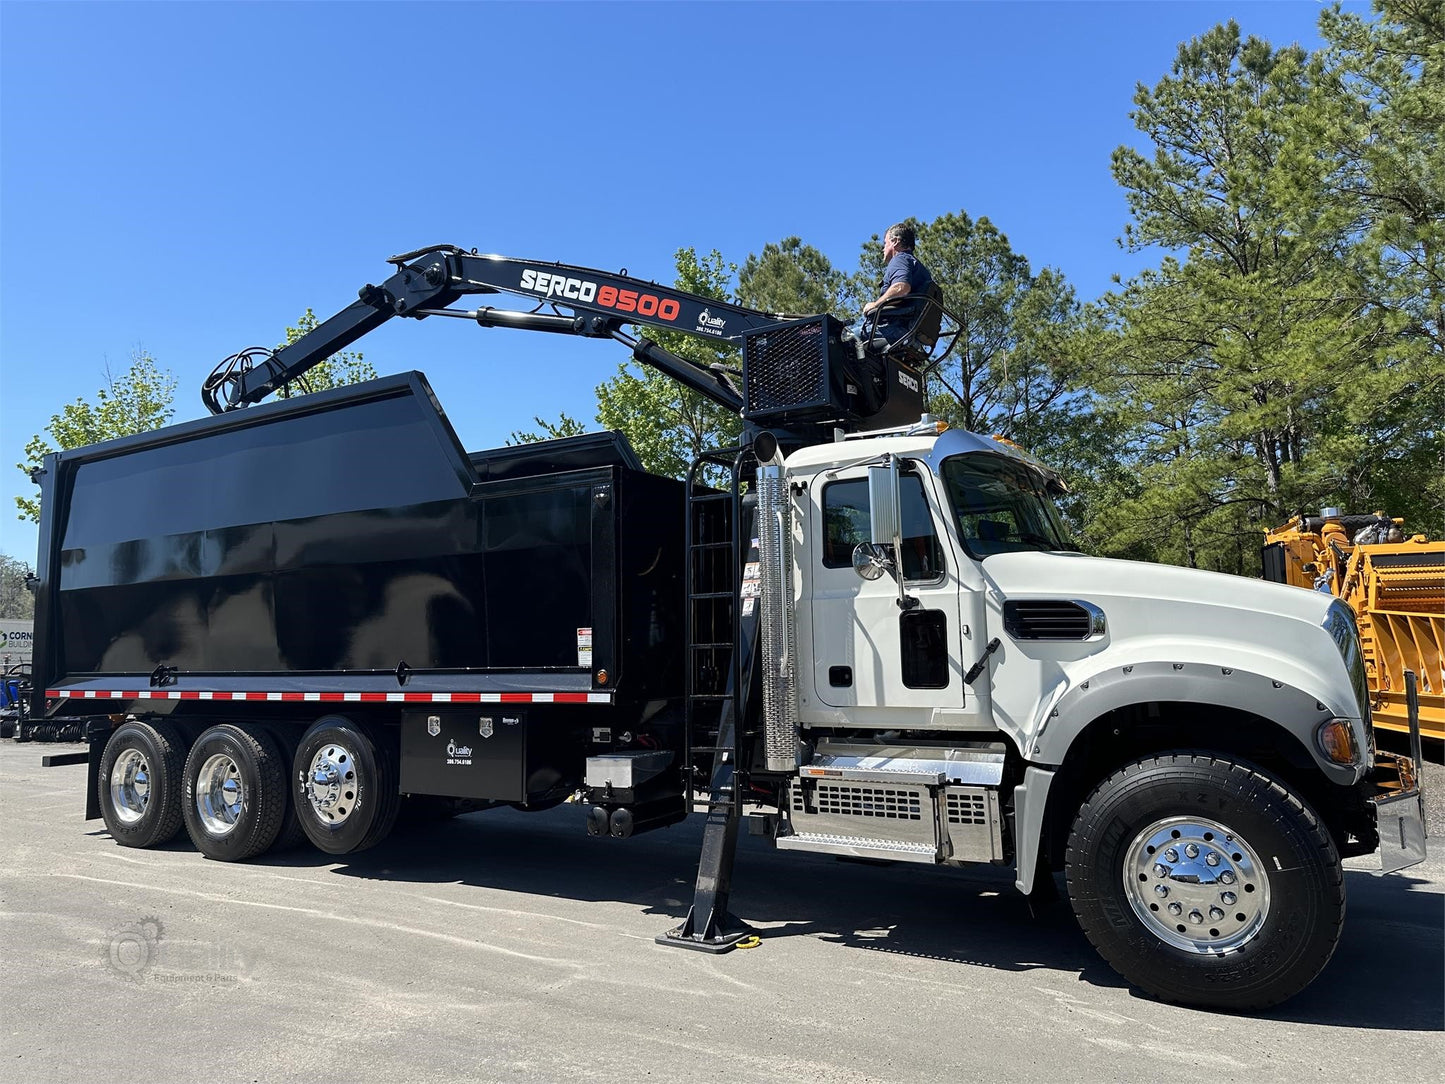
915	345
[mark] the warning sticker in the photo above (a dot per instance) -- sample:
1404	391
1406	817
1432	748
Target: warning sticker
752	571
748	604
584	648
751	589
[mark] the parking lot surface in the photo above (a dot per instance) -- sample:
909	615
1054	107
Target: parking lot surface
504	946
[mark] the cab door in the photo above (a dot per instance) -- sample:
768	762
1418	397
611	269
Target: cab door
867	652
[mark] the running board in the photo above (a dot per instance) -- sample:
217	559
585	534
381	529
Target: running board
890	850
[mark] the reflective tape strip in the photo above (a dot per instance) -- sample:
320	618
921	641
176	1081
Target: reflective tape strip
331	697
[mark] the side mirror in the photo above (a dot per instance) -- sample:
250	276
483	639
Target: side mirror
885	522
870	561
885	512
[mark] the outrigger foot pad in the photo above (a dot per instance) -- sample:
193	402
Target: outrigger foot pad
723	938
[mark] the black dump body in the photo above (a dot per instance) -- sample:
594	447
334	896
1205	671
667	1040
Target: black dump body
344	547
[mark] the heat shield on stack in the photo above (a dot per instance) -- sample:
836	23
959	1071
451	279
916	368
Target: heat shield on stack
779	638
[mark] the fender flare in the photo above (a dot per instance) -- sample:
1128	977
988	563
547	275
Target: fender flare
1299	713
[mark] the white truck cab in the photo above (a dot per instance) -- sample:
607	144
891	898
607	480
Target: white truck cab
960	684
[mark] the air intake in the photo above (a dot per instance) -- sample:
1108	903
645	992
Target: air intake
1052	619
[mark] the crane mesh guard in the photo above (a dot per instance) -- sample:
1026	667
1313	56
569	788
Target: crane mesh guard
786	367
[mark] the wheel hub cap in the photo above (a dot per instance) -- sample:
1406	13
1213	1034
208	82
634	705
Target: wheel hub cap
130	786
220	797
330	783
1196	884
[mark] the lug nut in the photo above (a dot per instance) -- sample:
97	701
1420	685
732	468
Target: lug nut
1171	855
1215	914
1175	909
1227	877
1161	870
1192	850
1161	890
1211	859
1196	918
1228	898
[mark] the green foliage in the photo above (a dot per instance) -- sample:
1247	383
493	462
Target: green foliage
564	426
1015	368
16	601
136	401
1378	112
339	370
790	277
668	425
1264	368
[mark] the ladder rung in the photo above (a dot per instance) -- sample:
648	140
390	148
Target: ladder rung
712	545
708	498
711	696
710	647
713	594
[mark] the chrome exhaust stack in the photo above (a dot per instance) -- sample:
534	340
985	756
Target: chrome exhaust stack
778	634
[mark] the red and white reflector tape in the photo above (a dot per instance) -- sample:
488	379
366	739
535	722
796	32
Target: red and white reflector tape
332	698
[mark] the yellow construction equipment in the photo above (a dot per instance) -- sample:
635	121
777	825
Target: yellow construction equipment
1395	585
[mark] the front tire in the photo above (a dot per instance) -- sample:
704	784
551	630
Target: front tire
235	793
140	784
344	787
1206	882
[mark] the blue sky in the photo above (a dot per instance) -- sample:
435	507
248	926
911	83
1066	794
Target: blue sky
190	177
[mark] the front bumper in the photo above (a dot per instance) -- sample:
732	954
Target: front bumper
1399	810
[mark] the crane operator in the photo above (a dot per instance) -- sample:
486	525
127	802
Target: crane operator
903	277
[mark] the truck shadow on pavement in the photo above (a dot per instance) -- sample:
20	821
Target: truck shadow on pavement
1385	974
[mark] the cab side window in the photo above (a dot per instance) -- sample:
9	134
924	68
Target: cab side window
845	519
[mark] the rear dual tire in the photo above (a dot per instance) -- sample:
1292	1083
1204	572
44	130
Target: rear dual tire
139	784
234	793
344	786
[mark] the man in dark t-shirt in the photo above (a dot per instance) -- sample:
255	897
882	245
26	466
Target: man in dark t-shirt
903	277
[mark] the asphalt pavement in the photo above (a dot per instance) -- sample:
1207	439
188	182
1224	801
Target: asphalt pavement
505	946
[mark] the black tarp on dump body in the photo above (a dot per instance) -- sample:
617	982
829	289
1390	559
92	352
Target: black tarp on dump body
329	542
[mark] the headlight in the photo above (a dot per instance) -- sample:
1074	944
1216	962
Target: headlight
1339	622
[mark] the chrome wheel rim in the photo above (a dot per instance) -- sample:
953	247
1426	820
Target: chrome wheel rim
130	786
330	783
1196	885
219	794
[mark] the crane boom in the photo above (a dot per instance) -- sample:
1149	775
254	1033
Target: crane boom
428	281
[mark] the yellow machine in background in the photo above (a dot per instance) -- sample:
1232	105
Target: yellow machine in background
1395	585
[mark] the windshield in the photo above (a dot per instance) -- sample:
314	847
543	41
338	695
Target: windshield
1001	506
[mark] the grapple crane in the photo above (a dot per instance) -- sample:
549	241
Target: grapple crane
804	375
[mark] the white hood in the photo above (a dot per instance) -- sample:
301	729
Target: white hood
1165	614
1074	575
